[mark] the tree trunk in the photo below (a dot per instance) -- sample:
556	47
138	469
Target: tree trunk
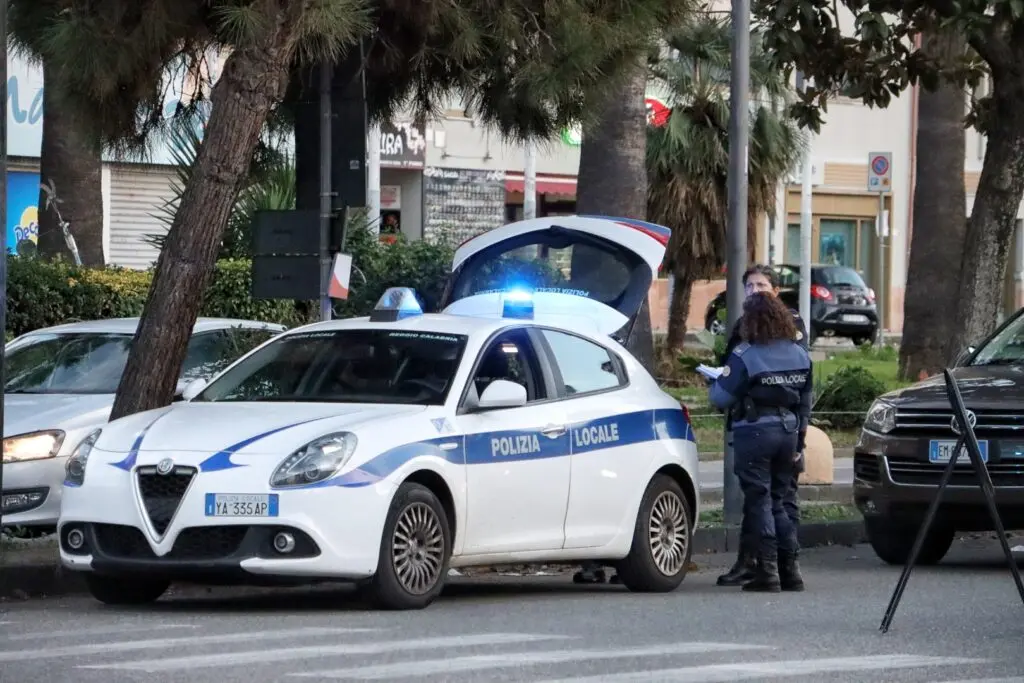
73	163
940	219
678	311
612	177
990	230
254	79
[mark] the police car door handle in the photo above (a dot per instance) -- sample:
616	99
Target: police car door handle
553	431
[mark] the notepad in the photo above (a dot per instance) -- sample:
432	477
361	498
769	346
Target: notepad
709	372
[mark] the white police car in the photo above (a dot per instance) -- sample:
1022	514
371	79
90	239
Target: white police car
509	428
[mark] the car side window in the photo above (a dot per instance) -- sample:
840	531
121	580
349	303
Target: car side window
510	356
585	366
245	339
208	353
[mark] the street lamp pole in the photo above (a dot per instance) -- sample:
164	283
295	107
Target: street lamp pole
736	236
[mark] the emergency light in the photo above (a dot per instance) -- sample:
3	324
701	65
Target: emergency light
397	303
517	303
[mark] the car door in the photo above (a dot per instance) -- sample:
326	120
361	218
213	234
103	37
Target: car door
608	429
517	459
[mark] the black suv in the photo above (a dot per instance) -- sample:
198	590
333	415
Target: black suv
907	440
842	305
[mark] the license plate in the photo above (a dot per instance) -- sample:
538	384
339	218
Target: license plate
852	318
941	451
241	505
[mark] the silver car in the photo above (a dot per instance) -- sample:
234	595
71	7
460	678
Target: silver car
61	383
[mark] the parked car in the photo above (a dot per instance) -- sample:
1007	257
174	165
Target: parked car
842	305
60	384
908	438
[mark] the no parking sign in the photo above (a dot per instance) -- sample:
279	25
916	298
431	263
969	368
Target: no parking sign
879	171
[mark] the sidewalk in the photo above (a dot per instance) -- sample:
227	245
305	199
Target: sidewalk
840	491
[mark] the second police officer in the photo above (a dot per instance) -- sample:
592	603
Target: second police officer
766	386
760	278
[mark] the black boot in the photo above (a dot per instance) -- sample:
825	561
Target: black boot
789	572
766	576
741	572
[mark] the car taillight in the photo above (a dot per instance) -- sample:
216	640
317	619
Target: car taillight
871	295
820	292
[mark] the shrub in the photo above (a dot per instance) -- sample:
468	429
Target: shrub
846	396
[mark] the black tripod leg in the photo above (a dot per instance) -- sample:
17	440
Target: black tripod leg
922	533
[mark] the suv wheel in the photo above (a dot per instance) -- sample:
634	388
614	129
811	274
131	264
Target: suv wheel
892	541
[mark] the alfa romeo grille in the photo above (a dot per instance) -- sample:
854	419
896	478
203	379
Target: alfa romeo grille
162	493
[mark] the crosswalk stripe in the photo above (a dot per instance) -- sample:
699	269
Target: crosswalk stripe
163	643
92	631
719	673
248	658
454	665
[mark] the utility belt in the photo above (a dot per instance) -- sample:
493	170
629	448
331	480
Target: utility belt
751	412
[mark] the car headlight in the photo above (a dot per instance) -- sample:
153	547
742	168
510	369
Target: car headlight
34	446
316	461
74	470
881	417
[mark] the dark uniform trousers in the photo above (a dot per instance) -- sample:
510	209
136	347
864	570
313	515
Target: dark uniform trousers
766	470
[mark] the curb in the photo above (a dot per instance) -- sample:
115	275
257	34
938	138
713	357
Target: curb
42	580
722	539
808	493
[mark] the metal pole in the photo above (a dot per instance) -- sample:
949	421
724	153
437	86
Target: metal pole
3	244
880	297
806	229
373	179
326	76
530	182
739	134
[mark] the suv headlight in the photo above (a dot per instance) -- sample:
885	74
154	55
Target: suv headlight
74	470
33	446
316	461
881	417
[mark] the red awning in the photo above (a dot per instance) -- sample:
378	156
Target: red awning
545	185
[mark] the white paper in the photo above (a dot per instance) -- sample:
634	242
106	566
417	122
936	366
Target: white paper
709	372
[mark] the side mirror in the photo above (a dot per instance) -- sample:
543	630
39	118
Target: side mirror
192	389
502	394
963	356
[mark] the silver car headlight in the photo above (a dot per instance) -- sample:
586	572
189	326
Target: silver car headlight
316	461
33	446
74	470
881	417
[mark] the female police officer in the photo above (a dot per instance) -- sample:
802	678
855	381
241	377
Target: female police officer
766	386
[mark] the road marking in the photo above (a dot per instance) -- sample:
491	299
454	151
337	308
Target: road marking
430	667
1011	679
93	631
247	659
128	645
718	673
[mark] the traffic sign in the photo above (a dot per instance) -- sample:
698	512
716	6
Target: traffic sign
879	171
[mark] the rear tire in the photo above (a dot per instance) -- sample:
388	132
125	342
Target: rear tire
414	551
892	541
119	590
660	554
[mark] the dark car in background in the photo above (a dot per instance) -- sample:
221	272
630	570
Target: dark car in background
842	305
909	435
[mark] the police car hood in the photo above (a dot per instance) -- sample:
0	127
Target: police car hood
249	428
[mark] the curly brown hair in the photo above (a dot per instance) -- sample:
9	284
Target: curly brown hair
766	319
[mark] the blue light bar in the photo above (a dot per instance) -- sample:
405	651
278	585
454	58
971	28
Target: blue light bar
517	303
397	303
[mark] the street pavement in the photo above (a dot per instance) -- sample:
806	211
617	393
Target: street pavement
711	473
961	621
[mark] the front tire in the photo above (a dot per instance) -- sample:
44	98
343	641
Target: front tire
123	591
414	551
660	554
892	541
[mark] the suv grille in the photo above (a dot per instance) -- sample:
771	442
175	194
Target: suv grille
162	493
915	420
908	471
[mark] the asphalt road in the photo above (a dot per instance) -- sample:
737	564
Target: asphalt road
711	473
958	622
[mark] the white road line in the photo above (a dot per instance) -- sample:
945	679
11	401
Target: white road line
1011	679
93	631
431	667
248	658
164	643
720	673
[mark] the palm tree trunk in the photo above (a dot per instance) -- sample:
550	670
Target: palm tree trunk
612	178
254	79
940	219
678	311
74	164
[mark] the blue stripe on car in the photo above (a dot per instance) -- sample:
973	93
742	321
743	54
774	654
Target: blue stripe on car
133	453
222	459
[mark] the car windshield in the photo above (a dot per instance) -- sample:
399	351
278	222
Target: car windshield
345	366
68	363
841	277
1005	348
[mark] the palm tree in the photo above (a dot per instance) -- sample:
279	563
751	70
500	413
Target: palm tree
688	158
